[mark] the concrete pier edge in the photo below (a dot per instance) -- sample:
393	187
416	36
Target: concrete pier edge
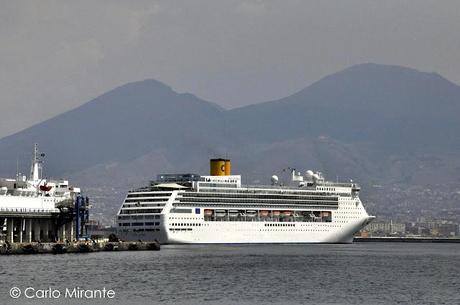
407	239
76	247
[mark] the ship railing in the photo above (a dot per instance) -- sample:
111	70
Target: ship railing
28	210
291	187
339	184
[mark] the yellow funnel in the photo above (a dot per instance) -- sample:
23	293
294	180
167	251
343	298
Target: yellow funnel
220	167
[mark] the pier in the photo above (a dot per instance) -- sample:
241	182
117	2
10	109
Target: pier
39	210
65	222
76	247
407	239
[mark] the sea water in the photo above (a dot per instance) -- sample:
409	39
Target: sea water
359	273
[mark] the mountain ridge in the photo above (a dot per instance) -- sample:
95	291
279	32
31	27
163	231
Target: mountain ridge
375	123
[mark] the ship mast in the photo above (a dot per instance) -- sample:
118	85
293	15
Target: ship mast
35	174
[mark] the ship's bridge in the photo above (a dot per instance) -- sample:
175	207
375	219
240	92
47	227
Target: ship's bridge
235	179
177	178
232	181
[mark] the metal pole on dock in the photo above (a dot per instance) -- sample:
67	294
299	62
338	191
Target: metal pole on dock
77	217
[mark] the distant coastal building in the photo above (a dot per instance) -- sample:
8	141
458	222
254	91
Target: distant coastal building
386	229
441	228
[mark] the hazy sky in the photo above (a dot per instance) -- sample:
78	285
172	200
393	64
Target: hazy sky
56	55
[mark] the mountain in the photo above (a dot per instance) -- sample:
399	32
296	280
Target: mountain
119	126
393	107
377	114
382	125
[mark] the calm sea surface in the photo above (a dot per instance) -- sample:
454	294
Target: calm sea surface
360	273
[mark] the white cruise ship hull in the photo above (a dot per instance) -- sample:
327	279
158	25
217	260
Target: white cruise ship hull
253	233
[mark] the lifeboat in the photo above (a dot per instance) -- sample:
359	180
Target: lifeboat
45	188
287	213
233	213
263	213
325	214
208	212
221	213
276	213
251	213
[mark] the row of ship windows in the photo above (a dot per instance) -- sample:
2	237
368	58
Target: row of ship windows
260	230
306	230
260	196
346	217
149	194
147	200
349	206
139	211
146	230
222	185
349	213
138	224
186	224
139	217
280	225
264	214
143	205
276	224
266	191
256	206
250	200
330	189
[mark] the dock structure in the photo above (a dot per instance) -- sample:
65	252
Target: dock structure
23	225
35	209
408	239
77	247
65	222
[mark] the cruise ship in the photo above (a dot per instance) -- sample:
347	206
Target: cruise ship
218	209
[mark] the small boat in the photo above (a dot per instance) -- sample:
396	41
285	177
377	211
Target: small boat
287	213
263	213
221	213
276	213
233	213
208	212
45	188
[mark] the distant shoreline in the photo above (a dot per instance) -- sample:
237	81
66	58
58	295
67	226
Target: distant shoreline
407	239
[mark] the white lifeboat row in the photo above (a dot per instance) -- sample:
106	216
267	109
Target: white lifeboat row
254	213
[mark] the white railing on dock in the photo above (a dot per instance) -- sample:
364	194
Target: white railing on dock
28	210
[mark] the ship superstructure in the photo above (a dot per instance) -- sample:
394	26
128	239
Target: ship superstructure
30	206
190	208
34	192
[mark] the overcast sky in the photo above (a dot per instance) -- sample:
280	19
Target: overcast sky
56	55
